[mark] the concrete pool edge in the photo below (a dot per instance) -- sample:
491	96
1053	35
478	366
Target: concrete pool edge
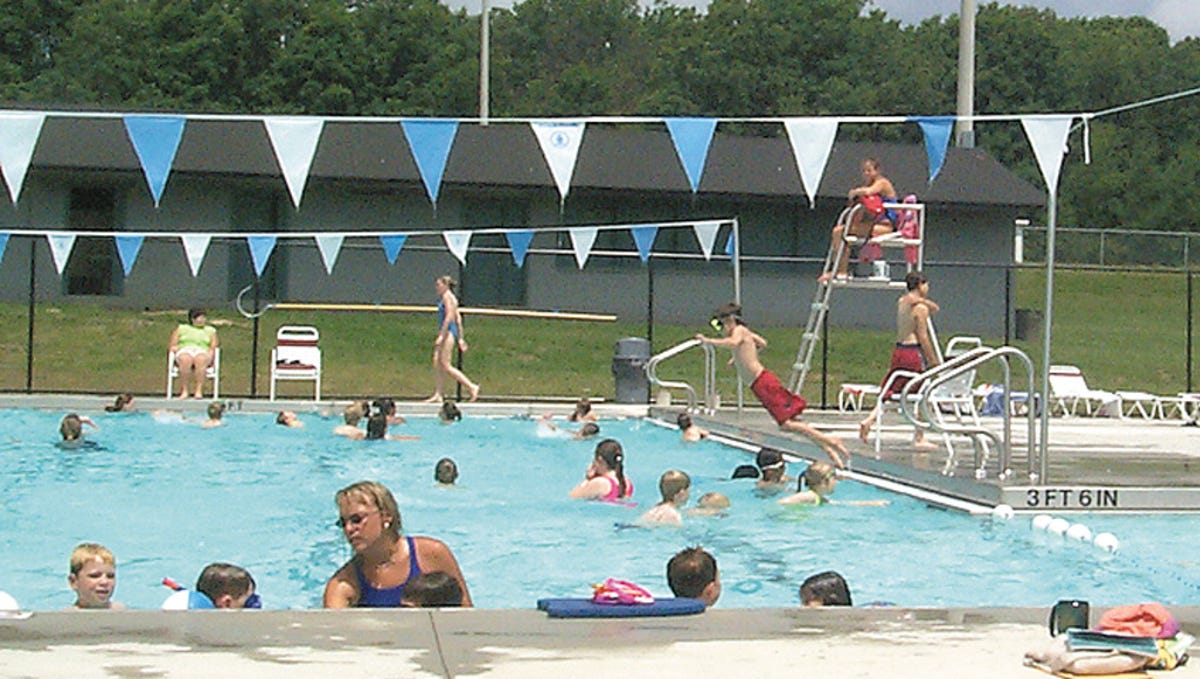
858	642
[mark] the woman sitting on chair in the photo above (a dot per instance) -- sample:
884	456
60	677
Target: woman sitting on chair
194	344
872	220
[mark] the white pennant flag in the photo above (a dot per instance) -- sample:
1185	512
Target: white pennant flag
812	141
560	146
194	247
329	247
19	134
1048	136
582	240
294	140
706	235
458	241
60	248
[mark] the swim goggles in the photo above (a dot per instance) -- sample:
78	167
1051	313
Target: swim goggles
716	323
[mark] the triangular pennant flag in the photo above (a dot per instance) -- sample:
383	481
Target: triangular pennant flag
19	134
195	246
644	237
729	245
812	141
430	142
128	248
458	241
329	247
937	139
3	244
582	240
706	235
260	251
60	248
294	140
692	138
518	242
560	147
155	140
392	245
1048	136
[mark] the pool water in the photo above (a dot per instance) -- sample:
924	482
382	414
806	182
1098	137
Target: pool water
169	497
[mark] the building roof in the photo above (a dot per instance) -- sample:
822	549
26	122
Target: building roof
631	157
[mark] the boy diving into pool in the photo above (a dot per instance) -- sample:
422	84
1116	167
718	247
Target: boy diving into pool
784	406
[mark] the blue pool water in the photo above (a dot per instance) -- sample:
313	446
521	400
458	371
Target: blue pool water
169	497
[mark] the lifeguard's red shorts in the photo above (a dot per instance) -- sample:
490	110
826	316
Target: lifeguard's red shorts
781	403
904	357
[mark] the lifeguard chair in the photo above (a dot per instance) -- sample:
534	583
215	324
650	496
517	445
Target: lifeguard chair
297	356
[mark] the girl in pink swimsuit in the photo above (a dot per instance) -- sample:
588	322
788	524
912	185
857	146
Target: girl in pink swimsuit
605	480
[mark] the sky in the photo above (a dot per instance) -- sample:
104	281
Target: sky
1181	18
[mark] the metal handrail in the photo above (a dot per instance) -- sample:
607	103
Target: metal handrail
957	366
710	375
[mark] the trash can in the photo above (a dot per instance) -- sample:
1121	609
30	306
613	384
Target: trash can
1029	324
629	370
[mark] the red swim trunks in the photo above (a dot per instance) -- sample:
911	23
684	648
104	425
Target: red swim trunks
781	403
904	357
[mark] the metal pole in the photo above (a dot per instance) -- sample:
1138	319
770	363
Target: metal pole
1190	328
824	360
650	300
1008	304
1047	335
484	59
32	308
462	292
966	74
254	344
737	262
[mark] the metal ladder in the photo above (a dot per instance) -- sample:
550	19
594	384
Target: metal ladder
819	307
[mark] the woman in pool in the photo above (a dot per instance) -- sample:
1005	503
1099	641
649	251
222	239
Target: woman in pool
194	344
450	333
384	561
605	479
124	403
815	486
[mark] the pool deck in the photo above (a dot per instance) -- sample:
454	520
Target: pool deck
1128	455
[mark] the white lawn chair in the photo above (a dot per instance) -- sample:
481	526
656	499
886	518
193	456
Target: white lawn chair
213	372
1068	391
296	356
1140	403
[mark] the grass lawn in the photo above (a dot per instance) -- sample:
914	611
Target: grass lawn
1125	330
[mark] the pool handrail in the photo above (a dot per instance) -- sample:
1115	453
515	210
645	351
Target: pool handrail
710	371
955	367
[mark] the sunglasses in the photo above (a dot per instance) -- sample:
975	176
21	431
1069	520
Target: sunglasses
353	519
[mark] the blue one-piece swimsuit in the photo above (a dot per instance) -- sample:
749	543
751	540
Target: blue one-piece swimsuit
453	327
388	597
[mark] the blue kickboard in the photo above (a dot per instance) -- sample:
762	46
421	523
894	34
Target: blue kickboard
585	608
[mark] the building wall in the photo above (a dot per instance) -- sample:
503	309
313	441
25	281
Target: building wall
965	257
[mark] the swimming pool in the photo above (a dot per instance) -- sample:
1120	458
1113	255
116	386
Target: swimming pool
168	497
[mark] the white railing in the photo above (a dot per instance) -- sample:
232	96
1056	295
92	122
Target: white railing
711	400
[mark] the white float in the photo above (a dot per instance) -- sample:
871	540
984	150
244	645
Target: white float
7	603
1107	541
1058	526
1003	512
1080	532
1042	521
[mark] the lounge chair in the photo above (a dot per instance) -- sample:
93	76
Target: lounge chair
297	356
1069	390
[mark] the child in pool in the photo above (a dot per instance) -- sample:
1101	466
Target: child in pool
216	410
674	486
817	484
227	586
436	589
689	431
93	576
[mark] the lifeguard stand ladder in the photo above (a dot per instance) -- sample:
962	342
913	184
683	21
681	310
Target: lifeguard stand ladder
820	303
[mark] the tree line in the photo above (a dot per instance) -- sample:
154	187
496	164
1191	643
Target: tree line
549	58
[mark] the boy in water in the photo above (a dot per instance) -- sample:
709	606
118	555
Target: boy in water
693	573
784	406
351	416
674	486
93	576
436	589
227	586
689	431
216	410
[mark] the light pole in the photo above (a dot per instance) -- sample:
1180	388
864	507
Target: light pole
966	74
484	58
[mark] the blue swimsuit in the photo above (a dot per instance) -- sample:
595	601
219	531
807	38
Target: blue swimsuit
389	597
453	327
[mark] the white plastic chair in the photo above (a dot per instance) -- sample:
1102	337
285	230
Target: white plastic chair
296	356
213	372
1068	390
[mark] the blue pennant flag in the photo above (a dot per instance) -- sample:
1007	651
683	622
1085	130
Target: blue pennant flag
128	248
260	251
729	245
692	137
155	140
430	142
3	244
392	245
644	237
937	138
518	242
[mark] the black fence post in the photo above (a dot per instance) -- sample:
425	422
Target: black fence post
32	309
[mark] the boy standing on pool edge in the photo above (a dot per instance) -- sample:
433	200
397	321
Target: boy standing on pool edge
784	406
